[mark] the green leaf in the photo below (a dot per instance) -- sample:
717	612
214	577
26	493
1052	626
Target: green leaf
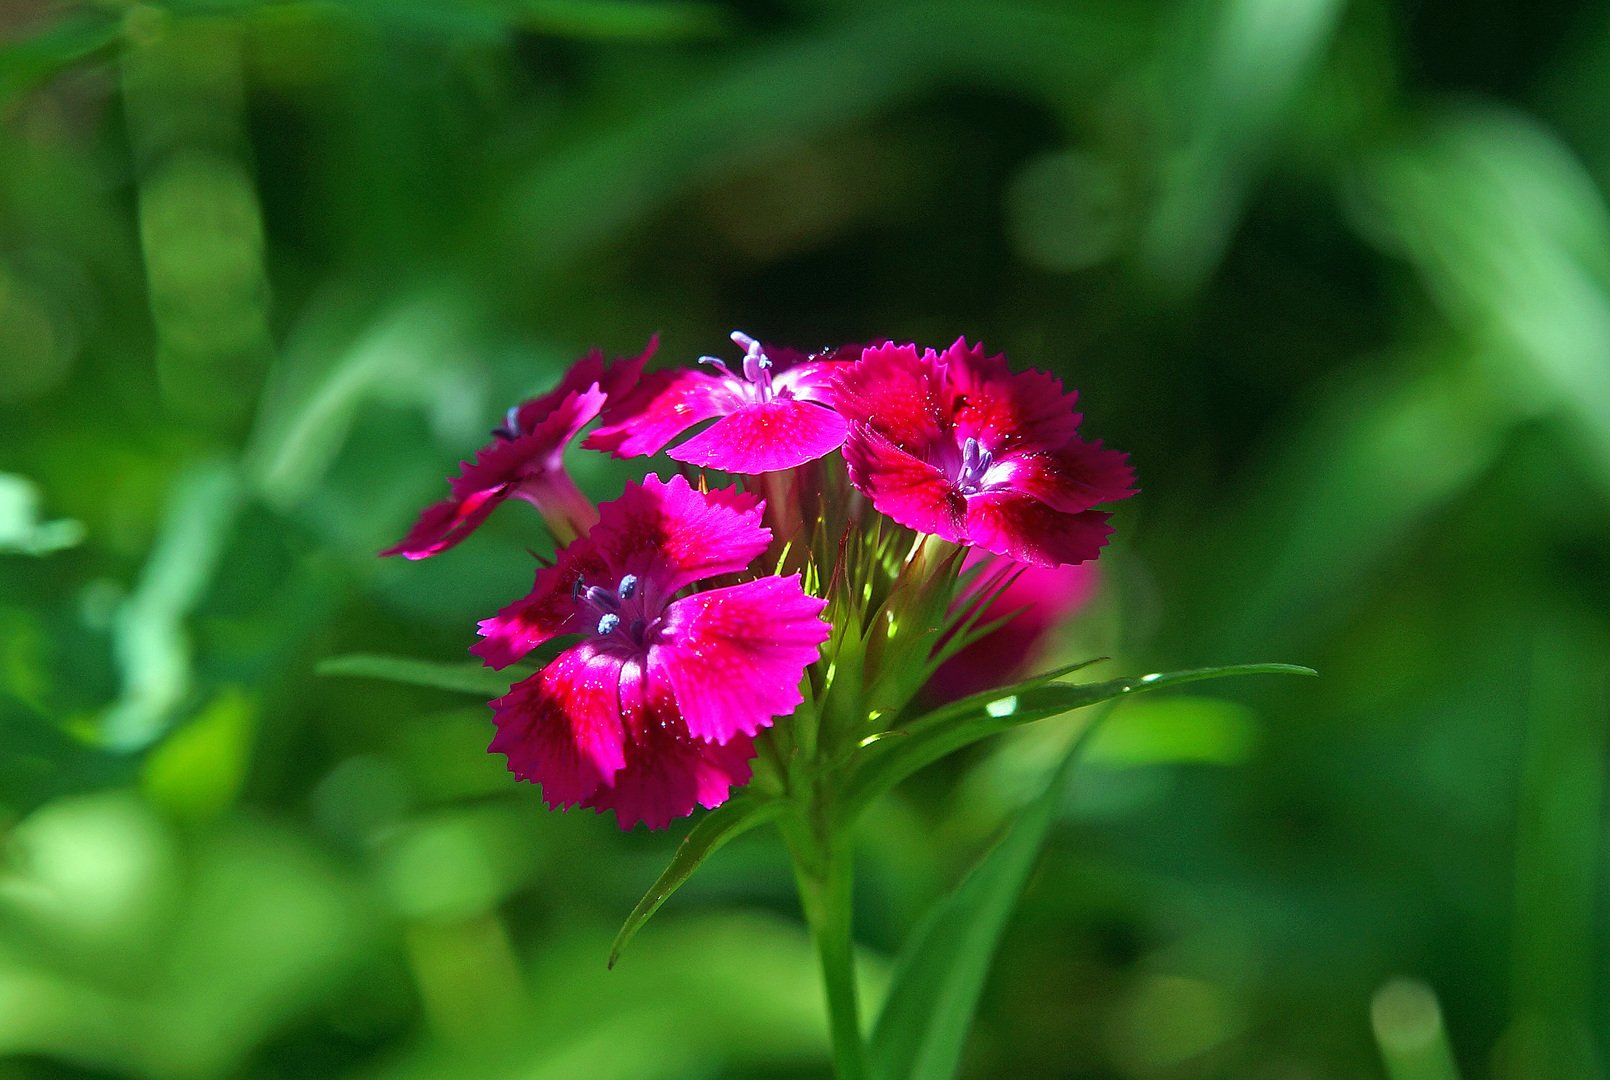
942	967
197	772
469	677
985	700
1178	728
857	67
646	20
738	816
27	63
22	530
962	723
150	630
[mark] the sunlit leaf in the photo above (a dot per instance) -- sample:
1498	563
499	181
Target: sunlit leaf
198	770
150	635
1240	77
752	976
1407	1022
1178	728
1512	238
21	529
735	818
951	727
327	374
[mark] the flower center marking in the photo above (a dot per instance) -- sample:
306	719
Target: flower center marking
976	461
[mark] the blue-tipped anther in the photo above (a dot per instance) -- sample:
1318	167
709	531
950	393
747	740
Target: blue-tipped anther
610	604
511	424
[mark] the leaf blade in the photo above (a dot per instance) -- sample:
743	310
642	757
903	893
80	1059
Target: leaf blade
33	60
940	971
951	727
738	816
468	677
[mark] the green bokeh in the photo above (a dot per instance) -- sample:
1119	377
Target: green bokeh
1336	275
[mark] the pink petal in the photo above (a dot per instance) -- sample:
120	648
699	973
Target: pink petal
562	726
663	406
734	656
1003	409
765	437
1074	477
540	449
667	771
670	535
612	378
895	392
546	612
736	499
913	492
495	473
444	524
811	380
1023	528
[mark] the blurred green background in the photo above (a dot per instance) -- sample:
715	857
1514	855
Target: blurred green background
1337	276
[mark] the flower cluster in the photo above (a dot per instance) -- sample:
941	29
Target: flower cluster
754	628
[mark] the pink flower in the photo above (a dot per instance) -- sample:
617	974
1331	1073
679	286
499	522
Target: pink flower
773	413
526	460
653	711
1041	597
957	445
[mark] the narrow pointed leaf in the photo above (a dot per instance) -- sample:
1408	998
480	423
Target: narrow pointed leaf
942	967
470	677
738	816
984	699
951	727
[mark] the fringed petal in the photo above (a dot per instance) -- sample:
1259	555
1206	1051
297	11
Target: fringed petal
765	437
562	727
733	657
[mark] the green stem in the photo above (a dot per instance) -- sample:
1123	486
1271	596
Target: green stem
822	871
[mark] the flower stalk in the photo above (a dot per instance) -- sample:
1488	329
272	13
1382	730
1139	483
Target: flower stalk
824	875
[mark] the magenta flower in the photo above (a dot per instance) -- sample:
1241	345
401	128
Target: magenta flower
525	460
772	412
653	711
957	445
